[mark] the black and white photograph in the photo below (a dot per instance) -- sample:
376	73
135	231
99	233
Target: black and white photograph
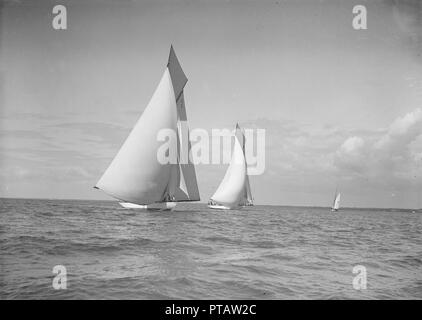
210	150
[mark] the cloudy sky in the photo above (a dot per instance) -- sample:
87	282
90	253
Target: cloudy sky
340	106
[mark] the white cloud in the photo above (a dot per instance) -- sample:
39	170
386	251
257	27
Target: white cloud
392	155
352	146
351	154
401	132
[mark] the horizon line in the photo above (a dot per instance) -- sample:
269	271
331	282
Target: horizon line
199	202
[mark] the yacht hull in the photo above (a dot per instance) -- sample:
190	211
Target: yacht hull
221	207
162	206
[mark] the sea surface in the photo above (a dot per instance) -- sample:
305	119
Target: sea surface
261	252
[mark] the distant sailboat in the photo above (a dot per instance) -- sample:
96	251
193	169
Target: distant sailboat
234	191
135	177
336	202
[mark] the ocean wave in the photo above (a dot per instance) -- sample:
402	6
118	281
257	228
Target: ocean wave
260	253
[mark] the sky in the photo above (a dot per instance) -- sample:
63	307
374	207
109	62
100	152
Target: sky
341	107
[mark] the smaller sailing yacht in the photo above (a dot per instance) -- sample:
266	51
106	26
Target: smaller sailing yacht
234	191
336	202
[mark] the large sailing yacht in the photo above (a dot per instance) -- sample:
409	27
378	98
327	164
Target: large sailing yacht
135	177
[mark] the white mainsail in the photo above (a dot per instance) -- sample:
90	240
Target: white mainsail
336	203
234	190
135	175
